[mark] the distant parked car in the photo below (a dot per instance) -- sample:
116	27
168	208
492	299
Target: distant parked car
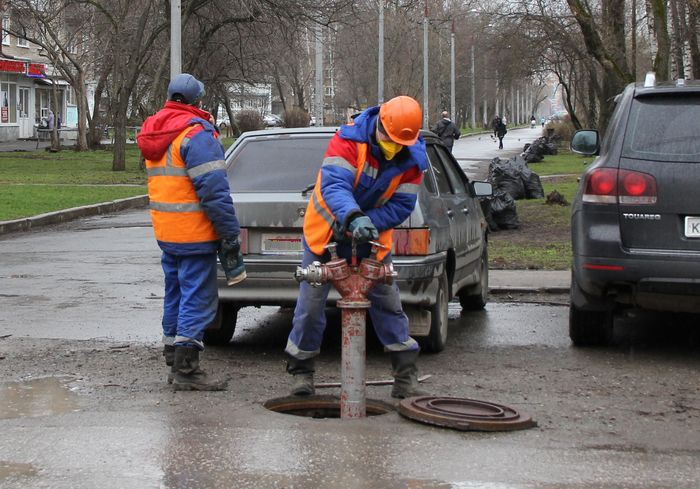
272	120
635	223
439	252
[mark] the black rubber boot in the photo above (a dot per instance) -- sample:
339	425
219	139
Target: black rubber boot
405	373
188	376
303	372
169	354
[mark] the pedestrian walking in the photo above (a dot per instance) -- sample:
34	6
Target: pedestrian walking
501	131
494	125
447	130
367	185
193	218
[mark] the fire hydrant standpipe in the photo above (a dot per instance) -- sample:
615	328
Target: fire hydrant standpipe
352	282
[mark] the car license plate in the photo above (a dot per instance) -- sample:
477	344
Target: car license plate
692	226
281	243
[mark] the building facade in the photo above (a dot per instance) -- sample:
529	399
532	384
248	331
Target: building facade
28	89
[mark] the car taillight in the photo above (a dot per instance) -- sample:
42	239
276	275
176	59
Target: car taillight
610	186
243	238
411	242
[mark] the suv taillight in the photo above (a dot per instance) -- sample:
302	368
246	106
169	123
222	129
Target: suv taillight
610	186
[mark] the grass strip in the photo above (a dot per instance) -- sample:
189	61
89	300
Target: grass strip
18	201
543	241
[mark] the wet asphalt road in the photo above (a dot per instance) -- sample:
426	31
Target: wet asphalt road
83	402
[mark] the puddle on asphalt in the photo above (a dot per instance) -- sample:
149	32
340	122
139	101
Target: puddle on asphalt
46	396
10	469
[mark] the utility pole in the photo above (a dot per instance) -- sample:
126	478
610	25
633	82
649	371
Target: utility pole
473	77
175	39
425	68
380	68
318	112
452	73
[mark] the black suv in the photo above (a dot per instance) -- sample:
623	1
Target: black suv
635	222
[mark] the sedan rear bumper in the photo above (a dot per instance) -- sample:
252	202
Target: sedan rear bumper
270	281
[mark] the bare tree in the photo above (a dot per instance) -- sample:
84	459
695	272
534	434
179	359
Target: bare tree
62	29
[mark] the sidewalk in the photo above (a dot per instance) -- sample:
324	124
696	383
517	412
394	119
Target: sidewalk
543	281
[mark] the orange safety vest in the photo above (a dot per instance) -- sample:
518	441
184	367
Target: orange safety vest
176	212
318	220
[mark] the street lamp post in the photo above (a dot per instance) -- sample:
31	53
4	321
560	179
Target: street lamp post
425	67
473	79
452	72
380	68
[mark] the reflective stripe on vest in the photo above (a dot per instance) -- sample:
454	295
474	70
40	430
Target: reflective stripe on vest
176	212
319	220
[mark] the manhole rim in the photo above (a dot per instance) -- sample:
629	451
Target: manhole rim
374	407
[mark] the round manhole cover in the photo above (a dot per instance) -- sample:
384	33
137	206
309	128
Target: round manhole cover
464	414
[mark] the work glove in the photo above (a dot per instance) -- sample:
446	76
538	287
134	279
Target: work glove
232	260
363	230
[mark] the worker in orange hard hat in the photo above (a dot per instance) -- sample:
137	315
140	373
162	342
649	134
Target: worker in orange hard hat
367	185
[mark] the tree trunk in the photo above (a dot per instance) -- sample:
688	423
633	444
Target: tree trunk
96	129
80	95
55	142
607	47
119	120
663	42
692	35
678	35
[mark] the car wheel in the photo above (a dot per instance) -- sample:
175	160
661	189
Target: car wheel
435	341
475	298
588	327
221	330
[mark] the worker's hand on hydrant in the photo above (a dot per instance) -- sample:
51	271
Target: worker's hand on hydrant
232	260
363	230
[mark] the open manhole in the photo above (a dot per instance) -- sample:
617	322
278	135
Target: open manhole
464	414
320	406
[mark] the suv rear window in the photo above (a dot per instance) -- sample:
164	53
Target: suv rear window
280	164
664	128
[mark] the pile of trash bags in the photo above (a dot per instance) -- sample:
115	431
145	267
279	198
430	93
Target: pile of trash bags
536	151
511	180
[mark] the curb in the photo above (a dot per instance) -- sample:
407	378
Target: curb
57	217
504	289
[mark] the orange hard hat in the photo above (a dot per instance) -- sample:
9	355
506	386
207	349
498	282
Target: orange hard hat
401	119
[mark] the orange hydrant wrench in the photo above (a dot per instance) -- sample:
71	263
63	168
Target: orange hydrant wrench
352	282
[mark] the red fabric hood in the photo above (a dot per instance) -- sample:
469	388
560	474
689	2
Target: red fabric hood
159	130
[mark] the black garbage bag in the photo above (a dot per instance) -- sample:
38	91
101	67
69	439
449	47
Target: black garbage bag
503	210
533	186
532	157
531	181
485	203
551	148
505	175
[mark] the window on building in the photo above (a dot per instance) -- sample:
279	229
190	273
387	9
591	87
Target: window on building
5	28
22	43
8	103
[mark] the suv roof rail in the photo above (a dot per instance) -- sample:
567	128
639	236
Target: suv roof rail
650	79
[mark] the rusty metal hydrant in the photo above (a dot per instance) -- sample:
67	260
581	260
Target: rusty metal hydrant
352	282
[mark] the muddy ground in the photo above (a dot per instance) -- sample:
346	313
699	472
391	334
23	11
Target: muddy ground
604	416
